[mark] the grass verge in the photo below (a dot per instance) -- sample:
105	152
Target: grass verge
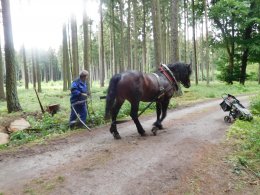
245	137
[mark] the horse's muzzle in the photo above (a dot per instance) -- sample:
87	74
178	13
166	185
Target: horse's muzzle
187	85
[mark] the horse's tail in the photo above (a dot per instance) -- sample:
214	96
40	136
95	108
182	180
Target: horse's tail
111	94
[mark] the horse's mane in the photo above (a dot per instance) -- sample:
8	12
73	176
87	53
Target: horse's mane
180	67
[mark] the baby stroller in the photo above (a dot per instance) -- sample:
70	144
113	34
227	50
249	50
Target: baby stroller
236	109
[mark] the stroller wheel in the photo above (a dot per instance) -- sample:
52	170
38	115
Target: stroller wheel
227	119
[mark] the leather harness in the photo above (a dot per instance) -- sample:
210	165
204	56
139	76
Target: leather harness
165	70
169	76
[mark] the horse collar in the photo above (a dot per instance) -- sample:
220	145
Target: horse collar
168	74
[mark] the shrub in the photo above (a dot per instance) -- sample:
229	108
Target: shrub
255	105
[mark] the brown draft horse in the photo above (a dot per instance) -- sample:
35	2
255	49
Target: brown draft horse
136	86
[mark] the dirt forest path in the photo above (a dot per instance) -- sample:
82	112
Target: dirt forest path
95	163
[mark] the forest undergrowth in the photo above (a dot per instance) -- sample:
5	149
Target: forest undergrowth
244	136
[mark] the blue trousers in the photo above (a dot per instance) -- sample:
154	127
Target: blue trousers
81	110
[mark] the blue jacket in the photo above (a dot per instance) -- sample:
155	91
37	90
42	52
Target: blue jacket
78	87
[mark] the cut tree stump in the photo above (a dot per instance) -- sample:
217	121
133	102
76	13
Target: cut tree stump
4	138
18	125
53	108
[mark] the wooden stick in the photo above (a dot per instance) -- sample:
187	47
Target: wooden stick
39	101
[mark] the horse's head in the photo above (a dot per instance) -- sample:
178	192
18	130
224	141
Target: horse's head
181	72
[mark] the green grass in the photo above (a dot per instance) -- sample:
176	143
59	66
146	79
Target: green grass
246	138
43	186
45	126
216	89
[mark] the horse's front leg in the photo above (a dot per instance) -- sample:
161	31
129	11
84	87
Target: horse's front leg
165	105
134	115
114	113
157	123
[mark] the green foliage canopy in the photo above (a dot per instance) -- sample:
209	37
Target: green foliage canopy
236	28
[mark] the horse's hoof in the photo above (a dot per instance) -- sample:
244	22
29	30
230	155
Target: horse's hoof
116	136
154	130
158	125
143	134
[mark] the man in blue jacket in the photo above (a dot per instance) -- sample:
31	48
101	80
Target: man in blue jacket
79	93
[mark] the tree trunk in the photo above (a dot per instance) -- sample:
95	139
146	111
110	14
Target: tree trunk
163	34
110	69
2	91
206	41
135	50
144	37
26	77
122	52
174	30
243	66
69	50
74	47
51	66
113	58
65	60
230	69
38	71
232	54
68	57
86	41
46	74
246	37
194	44
156	31
129	36
168	43
101	49
33	69
201	51
13	104
185	10
56	69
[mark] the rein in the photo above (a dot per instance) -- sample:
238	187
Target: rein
77	114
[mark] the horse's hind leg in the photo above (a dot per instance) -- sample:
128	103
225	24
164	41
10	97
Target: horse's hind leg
134	115
115	110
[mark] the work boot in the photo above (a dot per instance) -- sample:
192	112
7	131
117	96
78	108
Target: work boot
80	126
73	124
